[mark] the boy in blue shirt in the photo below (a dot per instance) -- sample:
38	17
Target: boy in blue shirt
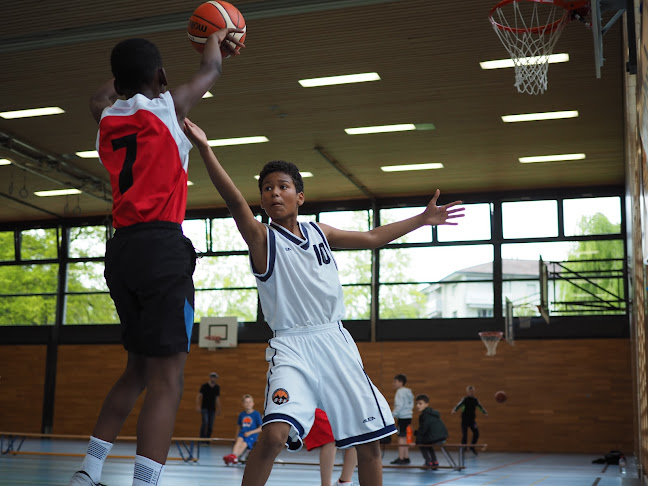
249	425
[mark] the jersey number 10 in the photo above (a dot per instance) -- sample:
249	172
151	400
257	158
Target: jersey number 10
322	254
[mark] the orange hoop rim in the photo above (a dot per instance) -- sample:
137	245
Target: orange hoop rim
568	5
498	334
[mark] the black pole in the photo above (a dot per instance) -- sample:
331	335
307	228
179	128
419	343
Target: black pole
49	392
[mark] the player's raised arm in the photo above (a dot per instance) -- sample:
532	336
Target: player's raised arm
375	238
104	97
253	232
188	94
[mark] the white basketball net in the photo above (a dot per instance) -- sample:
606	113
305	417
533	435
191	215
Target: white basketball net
490	340
529	30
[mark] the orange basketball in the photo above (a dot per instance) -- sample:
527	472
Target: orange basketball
211	17
500	396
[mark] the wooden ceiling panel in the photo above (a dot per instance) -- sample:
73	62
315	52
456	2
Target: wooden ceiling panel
426	53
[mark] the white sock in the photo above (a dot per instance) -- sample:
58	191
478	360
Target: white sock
147	471
95	456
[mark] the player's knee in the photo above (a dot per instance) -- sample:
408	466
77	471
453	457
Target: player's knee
368	452
273	436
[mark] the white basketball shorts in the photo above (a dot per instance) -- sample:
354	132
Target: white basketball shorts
320	367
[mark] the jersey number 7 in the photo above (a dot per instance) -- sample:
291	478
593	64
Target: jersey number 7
129	142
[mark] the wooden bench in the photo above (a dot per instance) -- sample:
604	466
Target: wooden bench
188	447
445	448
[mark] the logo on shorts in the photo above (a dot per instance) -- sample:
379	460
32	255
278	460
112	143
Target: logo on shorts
280	396
369	419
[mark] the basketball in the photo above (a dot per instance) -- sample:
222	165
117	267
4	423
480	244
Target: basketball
500	396
211	17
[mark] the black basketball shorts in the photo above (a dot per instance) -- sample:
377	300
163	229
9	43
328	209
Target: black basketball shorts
402	426
149	271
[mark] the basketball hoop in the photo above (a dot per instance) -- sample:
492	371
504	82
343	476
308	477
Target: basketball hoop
525	313
529	30
490	339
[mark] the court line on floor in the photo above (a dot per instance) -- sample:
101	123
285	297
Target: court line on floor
539	480
496	479
533	458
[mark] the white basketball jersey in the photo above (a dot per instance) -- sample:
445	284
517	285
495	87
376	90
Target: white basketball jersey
301	286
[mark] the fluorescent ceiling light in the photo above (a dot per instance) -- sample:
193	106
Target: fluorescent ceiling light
508	63
208	95
52	110
88	154
59	192
380	129
551	115
551	158
303	174
344	79
407	167
5	161
236	141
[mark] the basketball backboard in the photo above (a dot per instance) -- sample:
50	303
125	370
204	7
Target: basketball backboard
543	273
508	322
223	329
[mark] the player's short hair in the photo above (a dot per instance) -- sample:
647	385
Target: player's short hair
285	167
401	377
134	62
247	395
422	398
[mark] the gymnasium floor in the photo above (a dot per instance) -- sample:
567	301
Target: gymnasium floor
488	468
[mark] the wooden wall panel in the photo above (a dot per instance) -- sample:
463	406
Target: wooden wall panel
22	378
564	395
84	376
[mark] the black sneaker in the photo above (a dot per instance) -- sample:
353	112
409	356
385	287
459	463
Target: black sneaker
406	461
474	451
398	461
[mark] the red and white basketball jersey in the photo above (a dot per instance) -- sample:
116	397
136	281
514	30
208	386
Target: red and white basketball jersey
146	154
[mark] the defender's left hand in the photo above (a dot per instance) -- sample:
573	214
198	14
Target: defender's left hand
436	215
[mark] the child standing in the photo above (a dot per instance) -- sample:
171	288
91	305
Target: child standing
431	430
149	262
249	425
403	405
321	436
468	406
313	360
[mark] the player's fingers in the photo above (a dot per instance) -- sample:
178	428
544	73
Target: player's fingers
453	203
235	41
456	210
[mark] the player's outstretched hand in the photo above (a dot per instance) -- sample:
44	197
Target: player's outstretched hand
226	34
436	215
195	133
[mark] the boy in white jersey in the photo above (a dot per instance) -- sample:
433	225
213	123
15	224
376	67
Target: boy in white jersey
313	361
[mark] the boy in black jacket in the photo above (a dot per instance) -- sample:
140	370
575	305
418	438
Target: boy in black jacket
431	430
